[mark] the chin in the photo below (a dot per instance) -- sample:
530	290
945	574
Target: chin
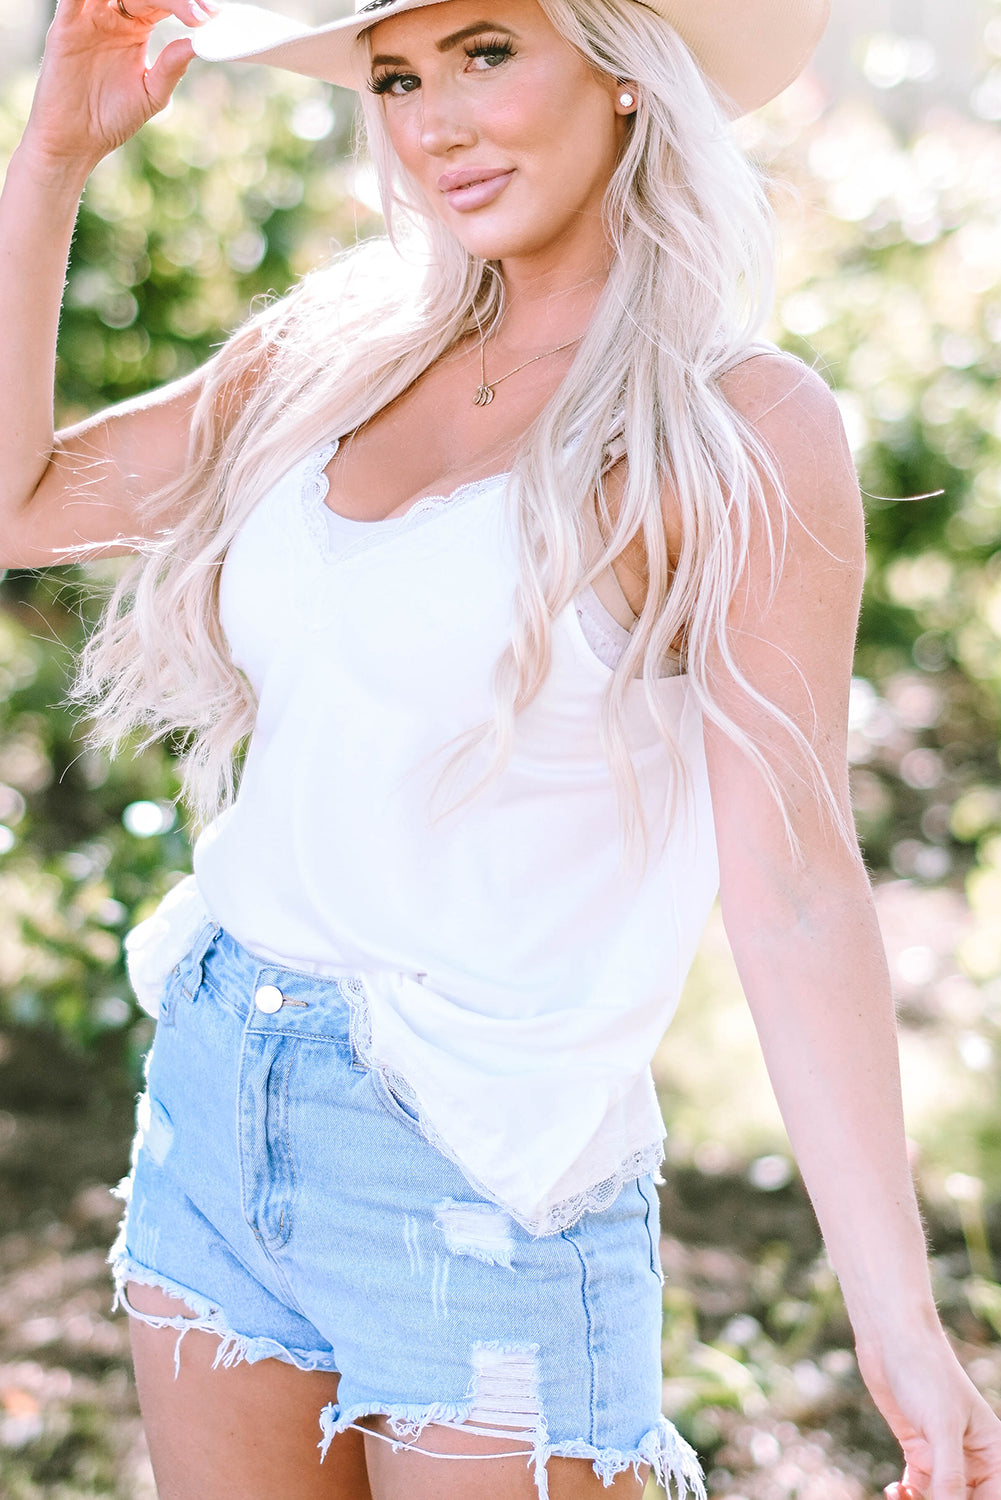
497	243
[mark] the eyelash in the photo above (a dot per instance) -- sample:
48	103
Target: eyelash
489	47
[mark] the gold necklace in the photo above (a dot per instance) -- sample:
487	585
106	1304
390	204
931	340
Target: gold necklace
485	393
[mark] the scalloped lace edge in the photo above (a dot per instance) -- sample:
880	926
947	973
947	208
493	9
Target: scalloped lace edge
315	487
313	491
560	1216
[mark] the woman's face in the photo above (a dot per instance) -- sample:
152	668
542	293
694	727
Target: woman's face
510	133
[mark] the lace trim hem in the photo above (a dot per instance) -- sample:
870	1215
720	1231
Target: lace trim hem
596	1197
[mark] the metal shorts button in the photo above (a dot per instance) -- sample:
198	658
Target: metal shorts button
269	998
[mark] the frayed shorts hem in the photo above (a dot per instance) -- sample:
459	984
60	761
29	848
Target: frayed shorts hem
673	1461
234	1348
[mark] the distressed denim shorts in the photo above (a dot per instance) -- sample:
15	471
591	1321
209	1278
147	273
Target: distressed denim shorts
288	1197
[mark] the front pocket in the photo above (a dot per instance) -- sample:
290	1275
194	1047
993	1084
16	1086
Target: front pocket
233	1002
394	1103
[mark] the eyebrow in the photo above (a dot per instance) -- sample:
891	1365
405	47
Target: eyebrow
448	42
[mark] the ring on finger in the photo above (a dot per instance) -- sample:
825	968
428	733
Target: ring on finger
126	13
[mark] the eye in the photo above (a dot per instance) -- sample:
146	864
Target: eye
485	53
394	83
493	51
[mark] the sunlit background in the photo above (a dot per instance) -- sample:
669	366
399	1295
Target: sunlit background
886	160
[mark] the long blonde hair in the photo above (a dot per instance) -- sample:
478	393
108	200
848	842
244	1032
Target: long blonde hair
689	289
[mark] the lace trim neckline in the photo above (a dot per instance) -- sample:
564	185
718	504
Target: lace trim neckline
315	487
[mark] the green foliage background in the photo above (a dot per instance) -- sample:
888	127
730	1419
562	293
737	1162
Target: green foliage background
891	283
236	191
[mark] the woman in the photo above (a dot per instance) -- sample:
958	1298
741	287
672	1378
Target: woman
536	579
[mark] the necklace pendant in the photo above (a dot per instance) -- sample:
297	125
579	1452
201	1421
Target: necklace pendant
484	395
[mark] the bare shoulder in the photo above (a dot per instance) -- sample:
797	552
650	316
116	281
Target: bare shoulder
795	414
778	389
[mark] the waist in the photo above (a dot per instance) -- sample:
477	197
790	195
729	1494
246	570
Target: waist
260	992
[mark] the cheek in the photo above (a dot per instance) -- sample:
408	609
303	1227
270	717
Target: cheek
403	129
567	137
559	129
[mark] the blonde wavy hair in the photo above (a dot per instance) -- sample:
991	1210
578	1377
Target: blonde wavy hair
689	289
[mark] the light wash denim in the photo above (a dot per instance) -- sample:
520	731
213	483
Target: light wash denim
287	1195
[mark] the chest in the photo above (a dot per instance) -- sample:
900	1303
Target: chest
405	625
434	438
409	611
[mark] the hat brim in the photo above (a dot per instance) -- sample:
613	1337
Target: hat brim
751	50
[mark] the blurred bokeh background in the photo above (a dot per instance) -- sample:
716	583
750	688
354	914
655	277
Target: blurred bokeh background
886	161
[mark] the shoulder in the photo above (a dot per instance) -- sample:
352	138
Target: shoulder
794	414
779	396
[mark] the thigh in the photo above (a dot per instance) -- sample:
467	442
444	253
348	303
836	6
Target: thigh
419	1475
248	1432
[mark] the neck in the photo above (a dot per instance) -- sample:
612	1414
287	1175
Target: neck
546	305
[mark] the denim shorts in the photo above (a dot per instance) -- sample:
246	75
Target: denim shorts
287	1195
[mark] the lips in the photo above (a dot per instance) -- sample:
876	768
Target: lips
473	187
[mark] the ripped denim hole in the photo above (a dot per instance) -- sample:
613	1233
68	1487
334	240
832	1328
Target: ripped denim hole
502	1403
480	1230
504	1391
154	1129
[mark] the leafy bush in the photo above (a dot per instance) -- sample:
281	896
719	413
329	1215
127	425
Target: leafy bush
893	282
890	283
240	187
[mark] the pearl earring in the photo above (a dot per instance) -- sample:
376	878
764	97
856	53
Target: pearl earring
626	99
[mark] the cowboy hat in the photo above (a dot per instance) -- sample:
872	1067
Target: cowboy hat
750	49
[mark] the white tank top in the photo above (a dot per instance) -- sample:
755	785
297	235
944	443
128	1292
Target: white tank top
607	638
511	976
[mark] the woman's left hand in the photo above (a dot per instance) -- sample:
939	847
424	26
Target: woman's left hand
951	1440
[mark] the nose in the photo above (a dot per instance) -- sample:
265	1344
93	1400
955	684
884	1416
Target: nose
444	123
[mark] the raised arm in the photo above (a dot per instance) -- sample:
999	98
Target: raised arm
82	486
807	945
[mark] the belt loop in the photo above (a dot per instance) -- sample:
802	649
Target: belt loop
190	967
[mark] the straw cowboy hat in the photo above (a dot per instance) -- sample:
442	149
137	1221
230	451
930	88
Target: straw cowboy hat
750	49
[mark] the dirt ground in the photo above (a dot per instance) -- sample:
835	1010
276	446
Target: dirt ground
758	1369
